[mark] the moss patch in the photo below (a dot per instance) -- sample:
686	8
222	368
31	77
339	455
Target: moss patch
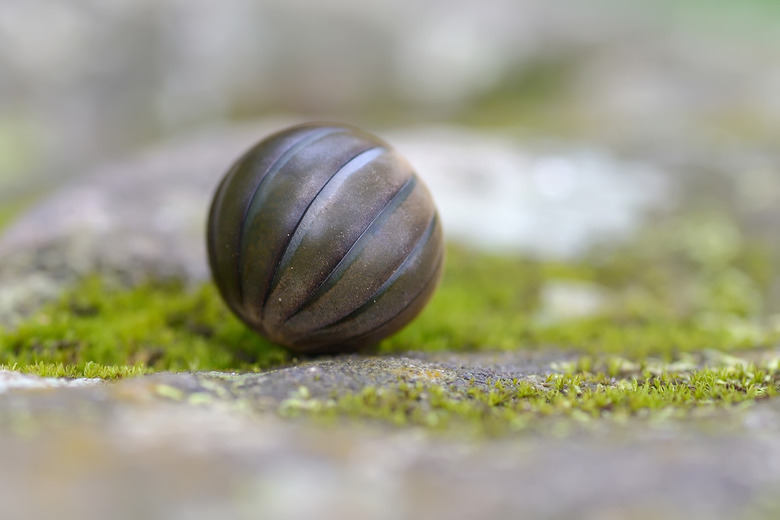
586	396
685	286
99	330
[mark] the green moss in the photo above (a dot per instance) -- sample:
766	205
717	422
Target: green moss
97	330
686	285
582	399
88	369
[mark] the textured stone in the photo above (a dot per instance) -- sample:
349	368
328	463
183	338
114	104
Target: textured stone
325	378
10	380
156	448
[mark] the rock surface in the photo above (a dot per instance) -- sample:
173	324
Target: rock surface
10	380
139	449
666	113
214	445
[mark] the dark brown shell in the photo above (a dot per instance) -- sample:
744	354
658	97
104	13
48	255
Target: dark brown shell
323	239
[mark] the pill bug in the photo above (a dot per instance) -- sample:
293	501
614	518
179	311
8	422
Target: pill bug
323	239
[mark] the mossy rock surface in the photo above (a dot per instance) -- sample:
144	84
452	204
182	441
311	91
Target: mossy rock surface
619	358
637	377
169	444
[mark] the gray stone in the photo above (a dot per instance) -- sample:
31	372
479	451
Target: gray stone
10	380
326	378
136	449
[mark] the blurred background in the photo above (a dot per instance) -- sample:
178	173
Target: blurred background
83	82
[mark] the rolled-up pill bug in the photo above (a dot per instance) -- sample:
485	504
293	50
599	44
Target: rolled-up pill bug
323	239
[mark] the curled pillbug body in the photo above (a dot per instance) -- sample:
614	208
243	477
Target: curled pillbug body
323	239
